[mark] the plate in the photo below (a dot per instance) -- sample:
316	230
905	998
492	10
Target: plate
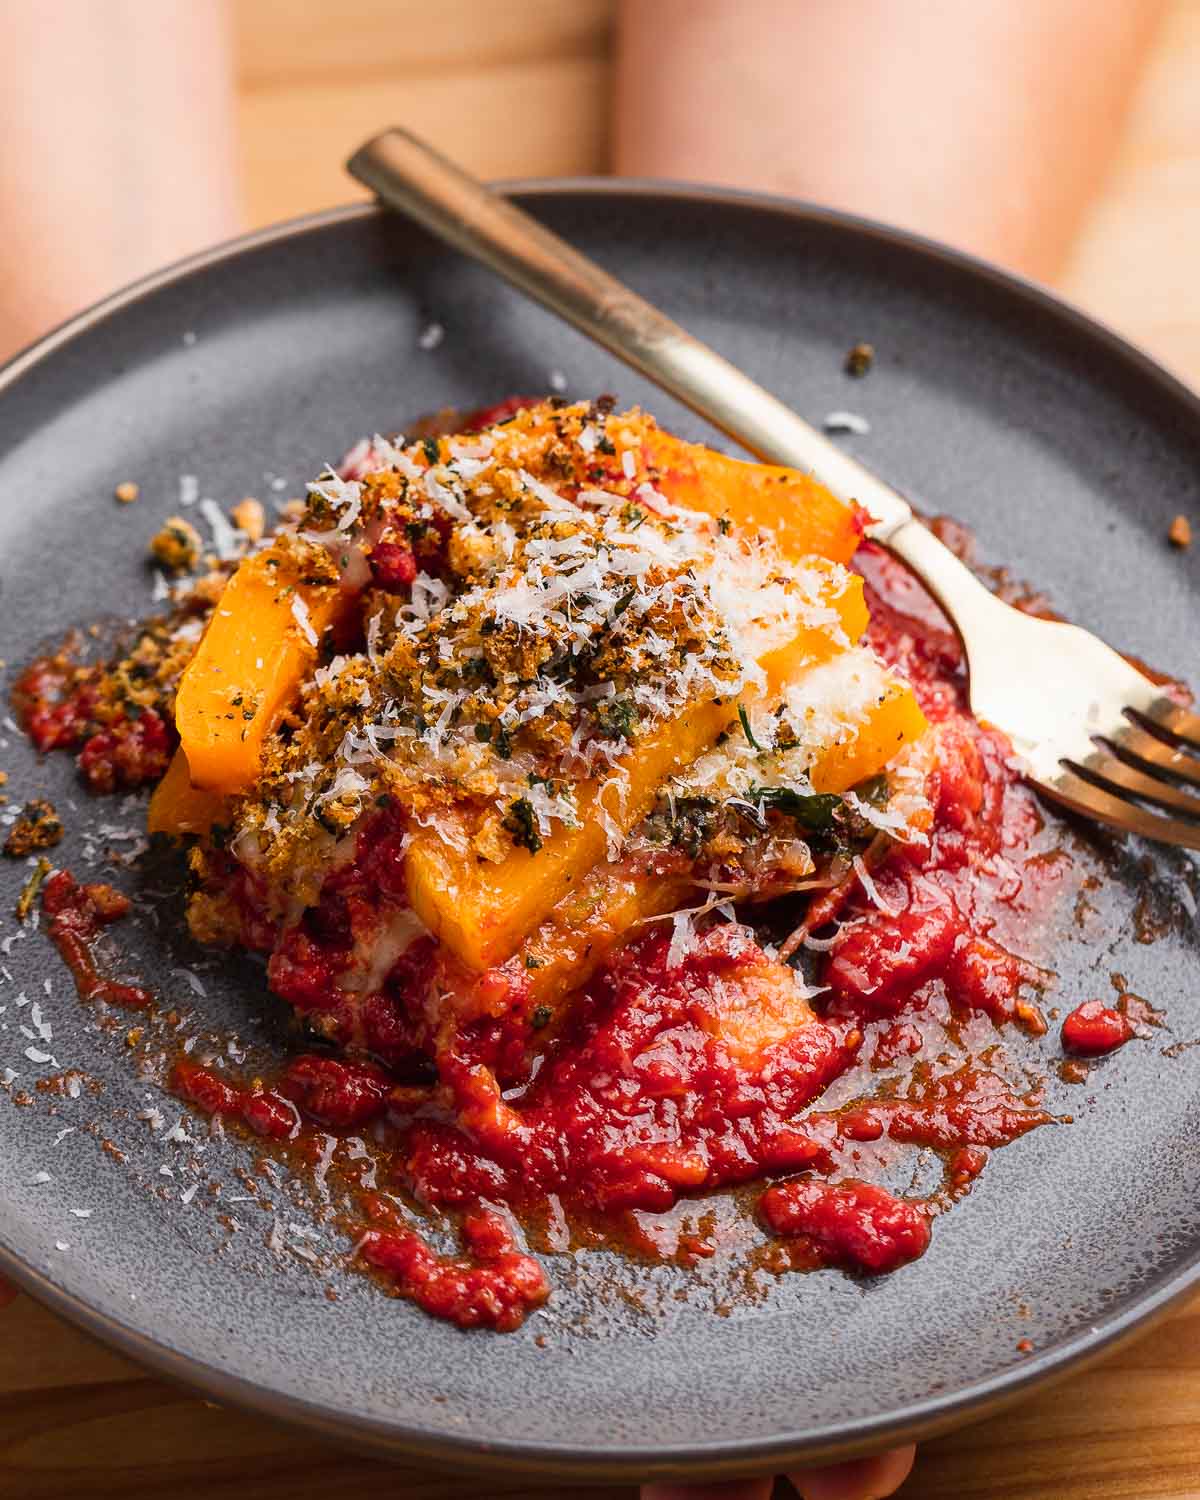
1066	451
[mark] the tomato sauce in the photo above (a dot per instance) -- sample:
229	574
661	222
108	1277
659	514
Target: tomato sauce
672	1079
63	706
77	915
1093	1029
495	1288
855	1223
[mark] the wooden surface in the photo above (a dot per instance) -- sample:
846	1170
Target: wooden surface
76	1420
520	89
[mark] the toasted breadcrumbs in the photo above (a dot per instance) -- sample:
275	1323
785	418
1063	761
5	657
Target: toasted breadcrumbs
249	516
556	610
38	827
177	546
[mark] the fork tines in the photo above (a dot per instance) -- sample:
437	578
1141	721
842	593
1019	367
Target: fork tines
1146	757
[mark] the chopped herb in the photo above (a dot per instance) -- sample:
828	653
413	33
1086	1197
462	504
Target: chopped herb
617	718
746	730
623	603
874	790
503	743
533	962
31	887
812	810
724	525
687	823
540	1017
521	822
432	451
483	733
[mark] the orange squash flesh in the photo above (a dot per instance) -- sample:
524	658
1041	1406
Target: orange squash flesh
247	669
482	911
178	807
610	902
895	721
806	518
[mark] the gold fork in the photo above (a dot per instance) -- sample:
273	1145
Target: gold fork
1094	733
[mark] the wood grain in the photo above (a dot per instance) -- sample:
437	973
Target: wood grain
512	90
520	89
77	1419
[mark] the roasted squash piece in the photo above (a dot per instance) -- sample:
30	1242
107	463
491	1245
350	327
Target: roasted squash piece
765	1006
563	953
178	807
614	905
805	517
478	907
894	722
260	641
483	911
606	910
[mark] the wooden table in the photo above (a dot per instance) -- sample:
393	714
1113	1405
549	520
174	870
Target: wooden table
76	1420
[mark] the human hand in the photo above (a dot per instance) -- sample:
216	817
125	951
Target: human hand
860	1479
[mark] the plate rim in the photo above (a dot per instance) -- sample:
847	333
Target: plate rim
725	1458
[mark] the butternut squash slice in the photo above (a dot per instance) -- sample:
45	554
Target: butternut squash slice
177	807
483	911
805	517
260	641
611	903
895	721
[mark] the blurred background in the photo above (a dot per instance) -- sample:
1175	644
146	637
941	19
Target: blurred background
1057	136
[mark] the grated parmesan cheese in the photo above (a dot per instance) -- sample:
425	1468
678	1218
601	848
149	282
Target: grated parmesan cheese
683	939
847	421
301	616
870	890
227	539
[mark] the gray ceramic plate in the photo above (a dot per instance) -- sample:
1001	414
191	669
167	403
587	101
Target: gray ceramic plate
1067	452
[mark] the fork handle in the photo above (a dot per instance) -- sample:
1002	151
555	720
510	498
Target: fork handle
410	176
